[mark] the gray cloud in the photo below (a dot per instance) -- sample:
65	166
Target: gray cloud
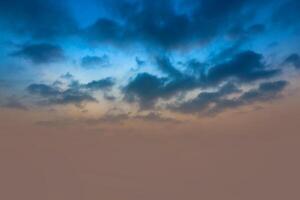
40	53
238	31
287	15
140	62
211	103
52	95
293	59
90	62
103	84
156	23
40	19
146	89
75	93
165	65
205	99
243	68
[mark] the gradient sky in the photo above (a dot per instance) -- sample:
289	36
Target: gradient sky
196	80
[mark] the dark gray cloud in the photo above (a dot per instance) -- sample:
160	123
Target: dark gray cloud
75	93
266	92
256	29
243	68
159	23
226	53
165	65
239	37
146	89
43	90
36	18
102	84
212	103
163	27
67	76
140	62
90	62
109	97
195	67
293	59
238	31
170	24
40	53
51	95
205	99
287	15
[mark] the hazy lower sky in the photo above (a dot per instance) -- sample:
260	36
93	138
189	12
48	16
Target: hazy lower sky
149	99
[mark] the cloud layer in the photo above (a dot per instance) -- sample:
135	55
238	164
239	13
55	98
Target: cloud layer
199	57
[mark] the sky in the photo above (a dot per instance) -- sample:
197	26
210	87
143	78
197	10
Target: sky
207	88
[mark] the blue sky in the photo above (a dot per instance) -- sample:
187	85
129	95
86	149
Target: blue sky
197	58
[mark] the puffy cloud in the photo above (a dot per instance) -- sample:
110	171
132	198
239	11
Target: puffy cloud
145	89
211	103
256	29
293	59
67	76
52	95
227	52
102	84
246	66
287	15
173	29
43	90
238	31
36	18
139	62
266	92
75	93
160	23
165	65
41	53
243	68
205	99
90	62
